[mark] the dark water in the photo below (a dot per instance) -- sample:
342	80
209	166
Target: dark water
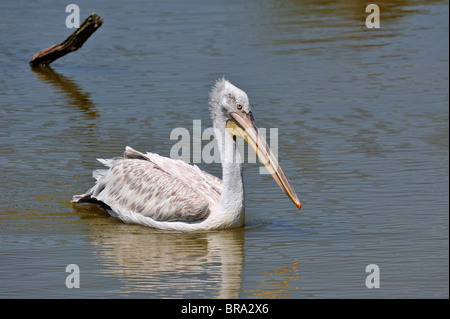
362	117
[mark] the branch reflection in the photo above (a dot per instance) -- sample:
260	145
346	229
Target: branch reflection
75	94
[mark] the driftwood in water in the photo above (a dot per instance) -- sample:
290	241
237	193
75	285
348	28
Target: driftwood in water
72	43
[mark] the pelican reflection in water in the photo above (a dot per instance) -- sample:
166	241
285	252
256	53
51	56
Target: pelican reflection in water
164	193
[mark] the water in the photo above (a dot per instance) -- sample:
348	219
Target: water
362	117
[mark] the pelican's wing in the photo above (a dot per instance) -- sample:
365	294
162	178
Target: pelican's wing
154	186
213	181
204	183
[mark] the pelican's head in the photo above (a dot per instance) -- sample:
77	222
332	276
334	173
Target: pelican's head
225	99
230	108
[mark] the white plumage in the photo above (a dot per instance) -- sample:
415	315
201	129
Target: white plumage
164	193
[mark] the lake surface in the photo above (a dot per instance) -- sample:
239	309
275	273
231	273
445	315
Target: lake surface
363	135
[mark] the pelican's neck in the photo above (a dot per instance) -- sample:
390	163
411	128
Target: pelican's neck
232	198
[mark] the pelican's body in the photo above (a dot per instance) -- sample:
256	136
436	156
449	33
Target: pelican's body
164	193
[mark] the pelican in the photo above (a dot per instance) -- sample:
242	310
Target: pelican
164	193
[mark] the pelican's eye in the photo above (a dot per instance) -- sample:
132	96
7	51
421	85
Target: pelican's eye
239	106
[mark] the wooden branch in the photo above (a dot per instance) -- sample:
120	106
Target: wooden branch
72	43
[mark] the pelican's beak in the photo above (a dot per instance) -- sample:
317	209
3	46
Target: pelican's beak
243	125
